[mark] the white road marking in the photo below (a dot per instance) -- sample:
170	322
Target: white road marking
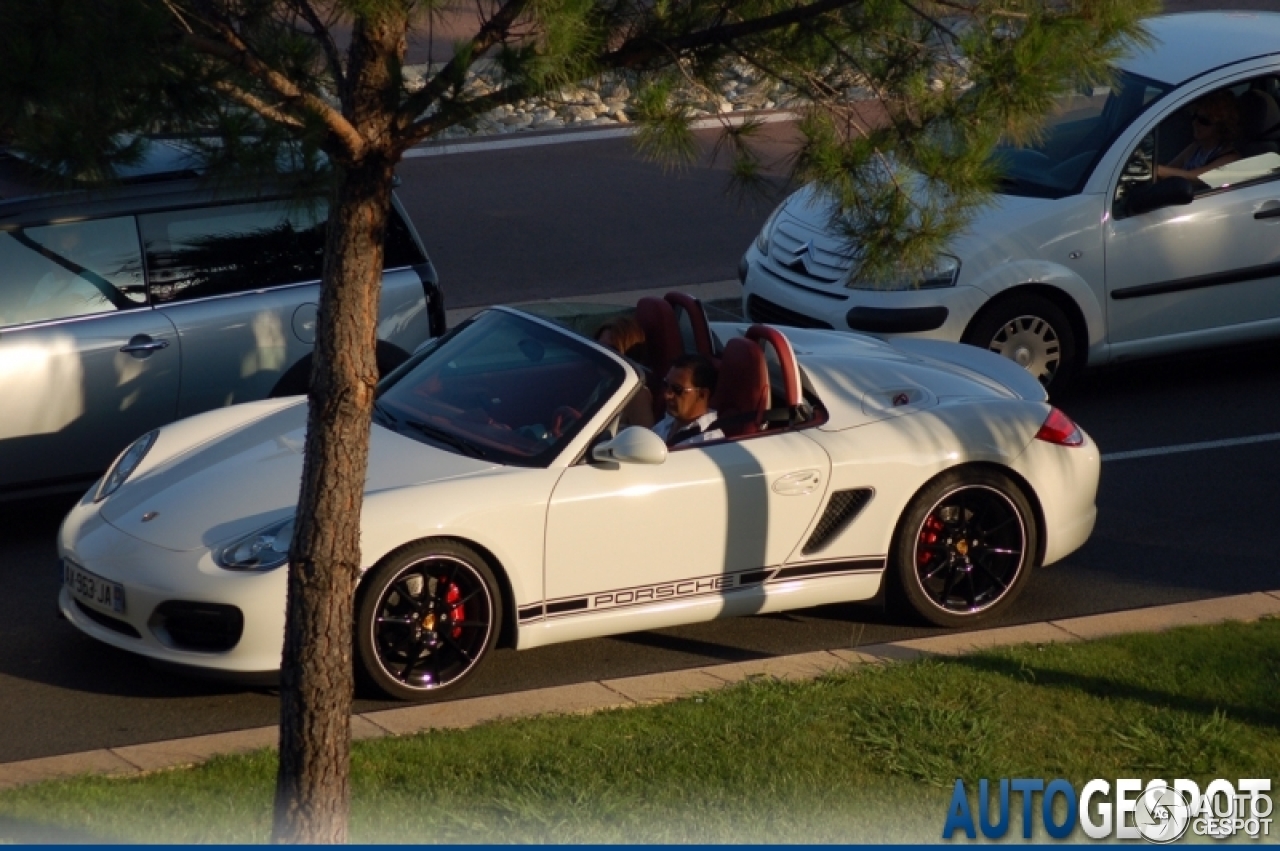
506	143
1191	447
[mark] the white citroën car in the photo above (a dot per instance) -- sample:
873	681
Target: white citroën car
1084	258
504	503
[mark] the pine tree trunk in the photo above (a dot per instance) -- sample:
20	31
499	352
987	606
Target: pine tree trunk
312	791
316	679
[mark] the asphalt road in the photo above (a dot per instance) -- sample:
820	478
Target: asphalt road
516	225
591	217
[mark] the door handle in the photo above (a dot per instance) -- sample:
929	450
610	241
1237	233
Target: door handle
1271	212
141	346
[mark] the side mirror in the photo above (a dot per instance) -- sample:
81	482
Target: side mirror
634	445
1170	192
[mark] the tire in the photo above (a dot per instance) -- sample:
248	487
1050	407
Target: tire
296	380
427	617
964	549
1031	331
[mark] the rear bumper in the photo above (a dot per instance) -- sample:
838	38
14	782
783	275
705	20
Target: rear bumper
1065	481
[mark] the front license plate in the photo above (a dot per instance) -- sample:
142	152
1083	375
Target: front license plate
93	589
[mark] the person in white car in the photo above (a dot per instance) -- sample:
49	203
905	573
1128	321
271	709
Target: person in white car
687	389
1215	125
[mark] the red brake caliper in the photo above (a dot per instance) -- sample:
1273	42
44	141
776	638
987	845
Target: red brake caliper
456	614
928	535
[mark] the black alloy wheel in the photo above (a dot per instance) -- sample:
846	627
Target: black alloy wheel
965	548
427	616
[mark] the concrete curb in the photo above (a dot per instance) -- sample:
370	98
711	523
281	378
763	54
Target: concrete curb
136	760
592	133
714	291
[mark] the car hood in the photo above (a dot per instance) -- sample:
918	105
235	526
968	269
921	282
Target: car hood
810	210
249	477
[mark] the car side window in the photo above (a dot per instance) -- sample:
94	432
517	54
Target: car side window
243	247
211	251
1138	171
399	247
1219	141
74	269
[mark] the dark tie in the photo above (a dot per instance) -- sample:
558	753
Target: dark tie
683	434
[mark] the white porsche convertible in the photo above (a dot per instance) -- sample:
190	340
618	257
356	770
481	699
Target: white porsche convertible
504	503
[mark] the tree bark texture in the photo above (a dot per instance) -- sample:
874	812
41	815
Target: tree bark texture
312	786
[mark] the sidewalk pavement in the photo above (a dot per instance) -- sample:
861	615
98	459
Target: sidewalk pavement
637	691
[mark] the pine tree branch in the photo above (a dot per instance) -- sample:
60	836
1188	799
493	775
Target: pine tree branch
321	33
456	112
769	69
973	9
494	30
232	51
643	49
934	22
258	105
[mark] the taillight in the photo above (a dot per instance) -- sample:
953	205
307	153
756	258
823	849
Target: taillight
1060	430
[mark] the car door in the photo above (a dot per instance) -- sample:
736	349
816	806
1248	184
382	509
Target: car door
240	282
1200	270
634	534
85	365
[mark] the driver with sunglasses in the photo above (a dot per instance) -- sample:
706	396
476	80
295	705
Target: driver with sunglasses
687	391
1215	122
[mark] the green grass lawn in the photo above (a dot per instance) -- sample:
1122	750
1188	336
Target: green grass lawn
864	756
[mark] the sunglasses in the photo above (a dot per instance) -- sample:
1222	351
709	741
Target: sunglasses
1202	121
675	389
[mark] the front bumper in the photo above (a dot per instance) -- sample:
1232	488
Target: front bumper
176	602
941	313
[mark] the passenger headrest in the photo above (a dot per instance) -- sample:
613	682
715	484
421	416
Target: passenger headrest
691	319
767	336
1259	115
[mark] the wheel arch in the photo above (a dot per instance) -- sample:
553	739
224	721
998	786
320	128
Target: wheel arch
1059	298
506	630
296	380
1018	479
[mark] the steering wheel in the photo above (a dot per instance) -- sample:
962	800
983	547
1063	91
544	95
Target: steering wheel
563	419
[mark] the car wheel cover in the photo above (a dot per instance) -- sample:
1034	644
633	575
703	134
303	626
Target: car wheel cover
970	550
432	622
1031	342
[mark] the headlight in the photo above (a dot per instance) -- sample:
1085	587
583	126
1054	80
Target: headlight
941	273
124	465
263	550
766	232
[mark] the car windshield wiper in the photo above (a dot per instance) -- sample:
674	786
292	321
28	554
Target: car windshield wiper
466	447
1023	186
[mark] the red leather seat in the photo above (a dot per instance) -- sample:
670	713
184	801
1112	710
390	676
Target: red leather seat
744	395
662	345
742	390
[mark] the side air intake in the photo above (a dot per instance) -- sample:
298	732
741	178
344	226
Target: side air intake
841	509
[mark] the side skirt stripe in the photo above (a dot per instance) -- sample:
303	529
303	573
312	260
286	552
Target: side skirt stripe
1217	279
718	584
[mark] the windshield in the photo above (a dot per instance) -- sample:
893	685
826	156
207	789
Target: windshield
1081	126
499	387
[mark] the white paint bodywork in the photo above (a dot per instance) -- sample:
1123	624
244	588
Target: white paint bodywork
594	548
1074	248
